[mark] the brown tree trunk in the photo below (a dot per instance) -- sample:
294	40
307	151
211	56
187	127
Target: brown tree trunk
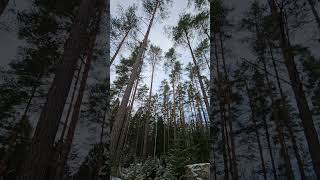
302	103
119	46
65	125
119	121
173	114
66	148
124	134
38	156
146	126
58	148
204	93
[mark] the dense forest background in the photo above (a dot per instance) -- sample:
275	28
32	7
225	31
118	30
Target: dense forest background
159	89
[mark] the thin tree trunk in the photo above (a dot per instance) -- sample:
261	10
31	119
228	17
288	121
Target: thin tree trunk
288	120
66	148
204	94
201	105
228	99
302	103
256	129
124	134
3	5
119	121
38	156
13	138
173	115
155	141
221	105
58	148
146	127
261	54
279	128
71	103
119	46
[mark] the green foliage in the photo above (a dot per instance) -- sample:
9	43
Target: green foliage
150	170
180	156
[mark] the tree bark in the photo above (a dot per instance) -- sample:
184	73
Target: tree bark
38	156
302	103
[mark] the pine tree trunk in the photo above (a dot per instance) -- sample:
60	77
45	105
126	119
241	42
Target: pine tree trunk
204	93
288	120
38	156
119	121
155	141
146	127
173	115
58	148
3	5
13	137
221	104
302	103
71	103
119	46
261	54
228	102
256	129
213	168
279	128
66	148
105	163
123	136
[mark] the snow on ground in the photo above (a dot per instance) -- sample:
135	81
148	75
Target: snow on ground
198	171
